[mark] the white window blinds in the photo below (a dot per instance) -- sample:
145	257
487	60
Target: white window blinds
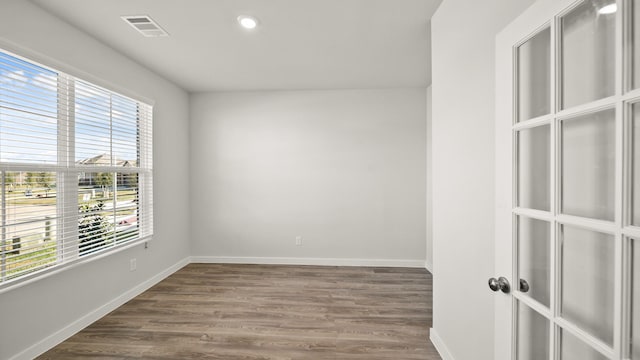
75	169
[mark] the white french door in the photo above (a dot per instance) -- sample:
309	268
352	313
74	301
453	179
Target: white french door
568	182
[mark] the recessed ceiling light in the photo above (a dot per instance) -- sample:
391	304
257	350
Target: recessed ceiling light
248	22
608	9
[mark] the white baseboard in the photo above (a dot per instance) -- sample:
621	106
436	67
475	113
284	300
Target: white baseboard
444	352
429	266
308	261
71	329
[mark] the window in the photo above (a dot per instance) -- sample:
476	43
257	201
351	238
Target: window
75	170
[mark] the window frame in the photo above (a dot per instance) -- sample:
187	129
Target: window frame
66	172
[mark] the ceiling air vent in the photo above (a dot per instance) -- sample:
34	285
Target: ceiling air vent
145	25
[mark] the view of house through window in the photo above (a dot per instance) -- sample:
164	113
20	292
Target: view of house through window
75	169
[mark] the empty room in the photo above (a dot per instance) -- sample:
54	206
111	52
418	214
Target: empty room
320	179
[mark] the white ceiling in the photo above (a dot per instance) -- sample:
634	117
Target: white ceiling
300	44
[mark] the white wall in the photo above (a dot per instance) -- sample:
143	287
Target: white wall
344	169
35	311
463	33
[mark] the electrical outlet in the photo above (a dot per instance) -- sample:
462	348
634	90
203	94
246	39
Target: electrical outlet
132	264
298	240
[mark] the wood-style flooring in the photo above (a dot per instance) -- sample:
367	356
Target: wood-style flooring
250	312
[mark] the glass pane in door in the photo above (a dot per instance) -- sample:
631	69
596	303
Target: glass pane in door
533	334
588	165
587	269
635	35
534	74
534	168
635	300
635	164
588	53
572	348
533	258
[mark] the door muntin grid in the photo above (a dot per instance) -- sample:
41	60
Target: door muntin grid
602	110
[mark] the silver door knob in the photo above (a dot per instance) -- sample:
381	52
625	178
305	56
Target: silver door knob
493	284
500	283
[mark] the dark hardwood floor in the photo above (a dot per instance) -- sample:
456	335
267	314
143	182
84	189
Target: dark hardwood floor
248	312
